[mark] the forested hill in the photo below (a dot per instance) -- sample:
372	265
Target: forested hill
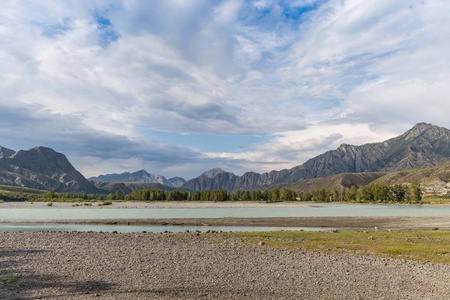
422	146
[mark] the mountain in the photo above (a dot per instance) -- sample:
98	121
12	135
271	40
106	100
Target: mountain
129	187
41	168
344	180
213	172
5	152
434	181
140	176
422	146
176	181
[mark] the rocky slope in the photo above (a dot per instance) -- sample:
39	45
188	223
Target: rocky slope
41	168
344	180
422	146
140	176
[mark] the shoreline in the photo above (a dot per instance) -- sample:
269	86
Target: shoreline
187	204
381	222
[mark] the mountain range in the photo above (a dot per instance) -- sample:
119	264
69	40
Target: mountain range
433	180
424	145
140	176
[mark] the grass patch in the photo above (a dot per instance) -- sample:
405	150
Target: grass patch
11	279
435	200
50	279
418	245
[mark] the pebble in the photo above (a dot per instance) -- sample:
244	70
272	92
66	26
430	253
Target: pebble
155	266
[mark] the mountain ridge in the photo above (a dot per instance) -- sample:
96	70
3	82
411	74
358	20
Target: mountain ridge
41	168
422	146
140	176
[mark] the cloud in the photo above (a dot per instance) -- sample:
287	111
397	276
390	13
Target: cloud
95	79
290	148
26	128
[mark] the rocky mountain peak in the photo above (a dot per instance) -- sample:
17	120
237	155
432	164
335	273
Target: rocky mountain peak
140	176
42	168
5	152
417	130
213	172
422	146
176	181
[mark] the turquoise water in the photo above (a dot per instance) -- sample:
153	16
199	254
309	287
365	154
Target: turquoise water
265	210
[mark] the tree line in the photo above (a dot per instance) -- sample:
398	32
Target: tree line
215	195
382	193
370	193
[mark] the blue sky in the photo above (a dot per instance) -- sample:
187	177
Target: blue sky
177	87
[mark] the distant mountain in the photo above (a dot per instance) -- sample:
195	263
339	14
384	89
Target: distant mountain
41	168
129	187
213	172
434	181
422	146
176	181
140	176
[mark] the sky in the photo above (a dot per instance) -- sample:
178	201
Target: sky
177	87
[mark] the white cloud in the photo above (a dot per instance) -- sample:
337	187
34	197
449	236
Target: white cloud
372	68
291	148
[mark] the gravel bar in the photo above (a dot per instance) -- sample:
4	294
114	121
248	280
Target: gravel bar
74	265
382	222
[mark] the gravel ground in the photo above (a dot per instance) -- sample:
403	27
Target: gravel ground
168	266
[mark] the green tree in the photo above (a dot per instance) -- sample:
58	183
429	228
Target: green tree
50	195
119	195
415	193
287	195
351	194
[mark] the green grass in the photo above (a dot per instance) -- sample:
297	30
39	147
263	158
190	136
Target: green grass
435	200
418	245
19	189
11	279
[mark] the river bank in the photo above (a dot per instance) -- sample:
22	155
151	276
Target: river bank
381	222
234	214
187	266
191	205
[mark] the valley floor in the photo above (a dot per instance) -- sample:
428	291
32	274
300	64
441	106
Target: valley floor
186	266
